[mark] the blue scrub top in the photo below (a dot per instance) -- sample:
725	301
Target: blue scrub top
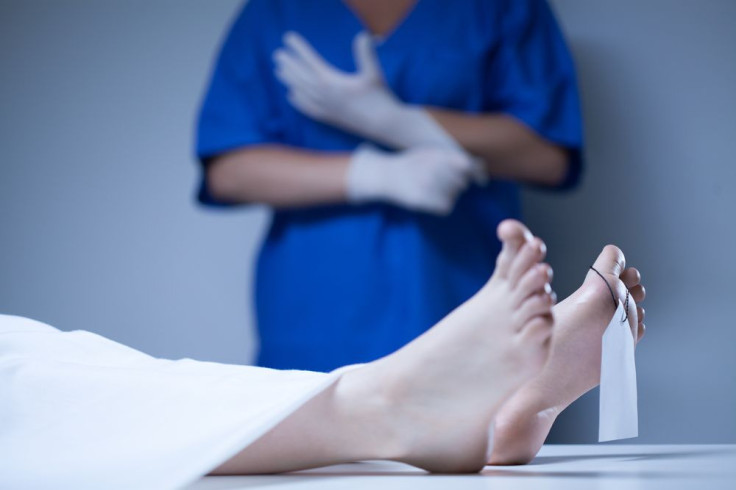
344	284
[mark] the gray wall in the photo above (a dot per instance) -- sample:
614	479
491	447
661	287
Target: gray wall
99	230
658	80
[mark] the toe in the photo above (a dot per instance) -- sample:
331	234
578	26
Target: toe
630	277
536	305
531	253
535	280
610	261
642	331
537	329
510	230
604	280
512	235
638	293
610	264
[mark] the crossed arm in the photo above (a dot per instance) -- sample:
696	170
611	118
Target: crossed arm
361	103
283	176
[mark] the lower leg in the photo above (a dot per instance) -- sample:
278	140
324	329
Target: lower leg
342	424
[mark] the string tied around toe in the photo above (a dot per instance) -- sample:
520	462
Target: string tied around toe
613	296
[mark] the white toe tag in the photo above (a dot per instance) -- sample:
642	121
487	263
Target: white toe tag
619	417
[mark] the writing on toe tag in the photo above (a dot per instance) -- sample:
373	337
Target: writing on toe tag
618	411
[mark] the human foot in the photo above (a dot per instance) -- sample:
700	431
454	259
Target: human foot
441	391
573	366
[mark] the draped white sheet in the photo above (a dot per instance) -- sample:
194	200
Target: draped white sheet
80	411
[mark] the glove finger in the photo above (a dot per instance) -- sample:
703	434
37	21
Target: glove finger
441	206
297	71
458	161
456	171
455	183
474	167
306	52
365	56
478	172
429	204
292	81
286	78
304	104
451	186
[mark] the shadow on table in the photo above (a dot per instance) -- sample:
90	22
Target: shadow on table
541	467
401	477
630	456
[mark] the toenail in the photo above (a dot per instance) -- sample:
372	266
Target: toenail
542	247
547	288
553	297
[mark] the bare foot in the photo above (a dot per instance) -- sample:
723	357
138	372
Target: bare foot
573	366
431	403
440	393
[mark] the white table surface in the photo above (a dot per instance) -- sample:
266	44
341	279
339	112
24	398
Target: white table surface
600	466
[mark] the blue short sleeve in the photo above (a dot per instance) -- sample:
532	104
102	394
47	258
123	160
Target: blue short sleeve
239	109
533	78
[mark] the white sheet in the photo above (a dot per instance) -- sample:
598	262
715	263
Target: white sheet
81	411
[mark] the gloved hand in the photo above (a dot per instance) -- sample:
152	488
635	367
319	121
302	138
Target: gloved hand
360	102
421	179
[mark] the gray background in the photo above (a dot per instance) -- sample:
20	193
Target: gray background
99	229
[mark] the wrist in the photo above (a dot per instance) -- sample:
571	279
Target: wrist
386	117
365	179
412	126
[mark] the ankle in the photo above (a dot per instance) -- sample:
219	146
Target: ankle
364	401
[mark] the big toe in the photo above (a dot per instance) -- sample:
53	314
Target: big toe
608	267
513	235
611	261
611	264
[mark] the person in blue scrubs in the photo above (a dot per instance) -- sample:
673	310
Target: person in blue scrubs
340	282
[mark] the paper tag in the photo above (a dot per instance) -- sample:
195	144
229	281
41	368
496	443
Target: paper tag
619	418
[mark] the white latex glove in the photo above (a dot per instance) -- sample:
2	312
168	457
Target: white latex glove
359	102
421	179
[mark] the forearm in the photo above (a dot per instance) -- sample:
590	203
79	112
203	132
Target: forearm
509	149
279	176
